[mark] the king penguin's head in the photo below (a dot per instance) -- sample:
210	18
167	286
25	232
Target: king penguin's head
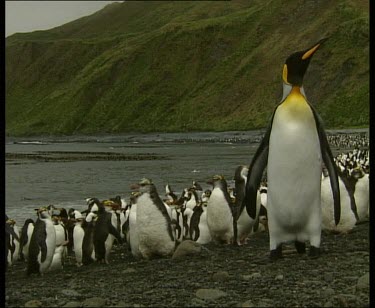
296	65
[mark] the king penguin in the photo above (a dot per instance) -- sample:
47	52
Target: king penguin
293	148
155	231
42	244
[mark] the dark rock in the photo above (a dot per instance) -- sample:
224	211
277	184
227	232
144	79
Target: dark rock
220	276
73	304
327	292
210	294
265	302
70	293
279	277
187	248
328	277
363	282
94	302
248	303
128	270
34	303
328	304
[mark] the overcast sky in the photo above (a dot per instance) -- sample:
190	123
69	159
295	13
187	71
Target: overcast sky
28	16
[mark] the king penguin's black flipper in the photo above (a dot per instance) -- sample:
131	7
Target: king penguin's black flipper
257	166
330	165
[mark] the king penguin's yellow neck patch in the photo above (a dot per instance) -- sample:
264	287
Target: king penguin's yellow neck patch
285	74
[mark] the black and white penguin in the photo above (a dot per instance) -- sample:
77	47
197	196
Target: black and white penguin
263	220
206	195
192	199
347	219
155	230
178	217
187	213
88	251
199	231
26	232
133	237
10	238
78	235
14	240
70	227
171	196
243	224
102	230
293	149
42	243
361	192
219	211
197	187
58	258
61	240
118	214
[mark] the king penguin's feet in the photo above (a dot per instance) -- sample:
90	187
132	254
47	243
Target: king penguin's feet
276	254
300	247
314	252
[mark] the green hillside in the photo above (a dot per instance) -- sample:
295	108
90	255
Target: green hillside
186	66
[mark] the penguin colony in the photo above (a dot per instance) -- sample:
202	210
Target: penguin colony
177	217
293	189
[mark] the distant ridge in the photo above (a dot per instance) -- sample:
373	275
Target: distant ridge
185	66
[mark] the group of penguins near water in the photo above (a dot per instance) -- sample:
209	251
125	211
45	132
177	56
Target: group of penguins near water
303	191
154	226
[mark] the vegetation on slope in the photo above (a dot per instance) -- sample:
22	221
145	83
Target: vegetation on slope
186	66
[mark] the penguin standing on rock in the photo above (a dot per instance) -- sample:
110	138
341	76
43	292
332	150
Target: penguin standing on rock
155	230
293	148
42	244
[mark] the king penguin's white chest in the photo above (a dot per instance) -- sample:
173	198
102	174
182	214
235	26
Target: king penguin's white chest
294	161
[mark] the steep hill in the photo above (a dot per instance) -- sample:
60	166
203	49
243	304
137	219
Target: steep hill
183	66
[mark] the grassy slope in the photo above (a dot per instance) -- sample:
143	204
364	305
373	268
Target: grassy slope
164	66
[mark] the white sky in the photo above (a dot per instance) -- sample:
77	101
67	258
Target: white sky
28	16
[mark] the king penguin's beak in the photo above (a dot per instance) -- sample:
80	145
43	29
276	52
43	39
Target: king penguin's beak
309	52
